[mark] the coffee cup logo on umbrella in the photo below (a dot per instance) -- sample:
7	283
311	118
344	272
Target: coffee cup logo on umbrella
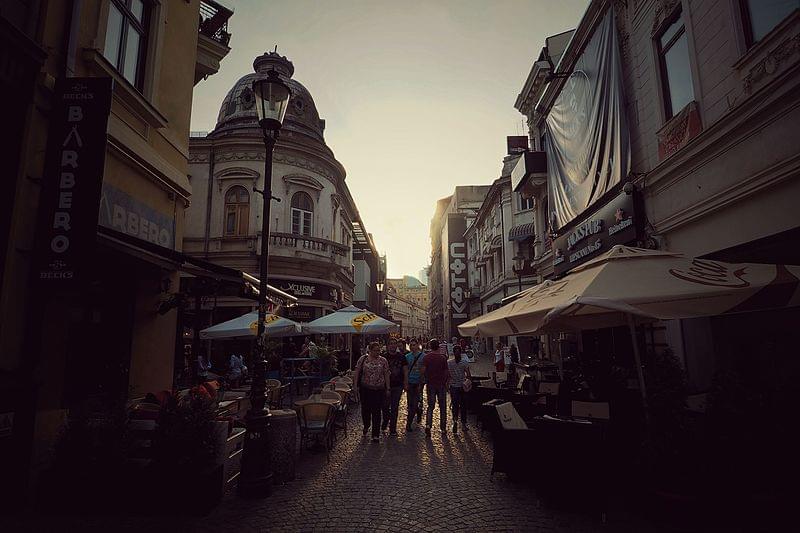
358	321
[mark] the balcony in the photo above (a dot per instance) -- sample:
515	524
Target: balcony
212	39
291	244
529	172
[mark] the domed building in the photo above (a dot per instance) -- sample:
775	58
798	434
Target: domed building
311	227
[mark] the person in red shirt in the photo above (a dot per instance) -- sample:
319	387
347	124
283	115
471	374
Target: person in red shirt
434	373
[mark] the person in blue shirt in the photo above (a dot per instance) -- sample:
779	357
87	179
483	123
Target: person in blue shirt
414	358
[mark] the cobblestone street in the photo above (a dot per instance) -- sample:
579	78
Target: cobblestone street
403	483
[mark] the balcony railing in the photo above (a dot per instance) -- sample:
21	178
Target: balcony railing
337	252
214	21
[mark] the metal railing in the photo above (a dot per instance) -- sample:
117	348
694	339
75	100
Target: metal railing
214	21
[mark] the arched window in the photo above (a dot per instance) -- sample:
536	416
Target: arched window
302	214
237	211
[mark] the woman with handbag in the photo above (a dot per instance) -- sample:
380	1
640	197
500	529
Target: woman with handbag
460	383
372	380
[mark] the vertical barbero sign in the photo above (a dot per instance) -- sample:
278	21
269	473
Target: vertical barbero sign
73	178
457	272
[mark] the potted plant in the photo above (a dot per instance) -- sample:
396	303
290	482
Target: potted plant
328	362
186	447
89	463
668	451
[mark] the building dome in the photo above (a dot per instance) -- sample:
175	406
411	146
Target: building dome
238	110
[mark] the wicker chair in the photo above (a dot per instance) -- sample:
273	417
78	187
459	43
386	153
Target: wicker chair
317	419
341	412
275	396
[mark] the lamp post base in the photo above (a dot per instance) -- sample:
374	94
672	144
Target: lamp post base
256	480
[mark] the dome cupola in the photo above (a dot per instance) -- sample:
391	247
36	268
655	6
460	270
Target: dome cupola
237	114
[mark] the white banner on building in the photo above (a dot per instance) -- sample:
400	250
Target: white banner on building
588	146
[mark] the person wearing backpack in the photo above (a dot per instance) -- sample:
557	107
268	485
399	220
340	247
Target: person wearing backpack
413	392
372	378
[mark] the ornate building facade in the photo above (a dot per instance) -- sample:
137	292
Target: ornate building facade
408	304
311	227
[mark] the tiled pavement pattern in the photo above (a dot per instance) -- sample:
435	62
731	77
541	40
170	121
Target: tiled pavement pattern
403	483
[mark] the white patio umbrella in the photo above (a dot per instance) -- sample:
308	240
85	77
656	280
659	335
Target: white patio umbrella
247	326
350	319
627	285
648	284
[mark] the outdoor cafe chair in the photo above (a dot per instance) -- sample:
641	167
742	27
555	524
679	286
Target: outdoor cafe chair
341	412
316	419
331	395
276	395
341	406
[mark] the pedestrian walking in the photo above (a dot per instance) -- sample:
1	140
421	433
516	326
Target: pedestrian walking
236	370
372	378
398	382
499	358
458	369
414	390
434	374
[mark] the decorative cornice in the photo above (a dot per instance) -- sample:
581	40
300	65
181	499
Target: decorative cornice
303	181
236	173
664	10
770	64
735	192
258	155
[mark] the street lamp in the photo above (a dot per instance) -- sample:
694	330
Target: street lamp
518	267
272	98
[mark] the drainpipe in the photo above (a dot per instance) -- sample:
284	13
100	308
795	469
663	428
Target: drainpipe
209	197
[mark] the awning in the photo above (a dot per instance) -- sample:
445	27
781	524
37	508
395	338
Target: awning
645	284
194	266
521	232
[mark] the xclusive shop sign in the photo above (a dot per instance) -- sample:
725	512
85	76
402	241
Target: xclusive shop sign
305	289
614	223
73	177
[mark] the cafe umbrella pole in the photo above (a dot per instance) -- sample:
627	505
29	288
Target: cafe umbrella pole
272	98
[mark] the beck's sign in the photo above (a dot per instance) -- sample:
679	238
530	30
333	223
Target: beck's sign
70	196
613	223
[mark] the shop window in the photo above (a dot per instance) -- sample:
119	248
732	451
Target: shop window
237	211
302	214
673	58
126	38
759	17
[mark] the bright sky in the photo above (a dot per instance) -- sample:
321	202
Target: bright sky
418	95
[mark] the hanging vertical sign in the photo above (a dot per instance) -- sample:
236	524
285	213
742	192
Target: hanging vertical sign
73	177
457	272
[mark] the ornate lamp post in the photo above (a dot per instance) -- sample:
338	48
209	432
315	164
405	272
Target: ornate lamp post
272	99
518	268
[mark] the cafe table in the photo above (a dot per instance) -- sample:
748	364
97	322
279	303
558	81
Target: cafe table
316	398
